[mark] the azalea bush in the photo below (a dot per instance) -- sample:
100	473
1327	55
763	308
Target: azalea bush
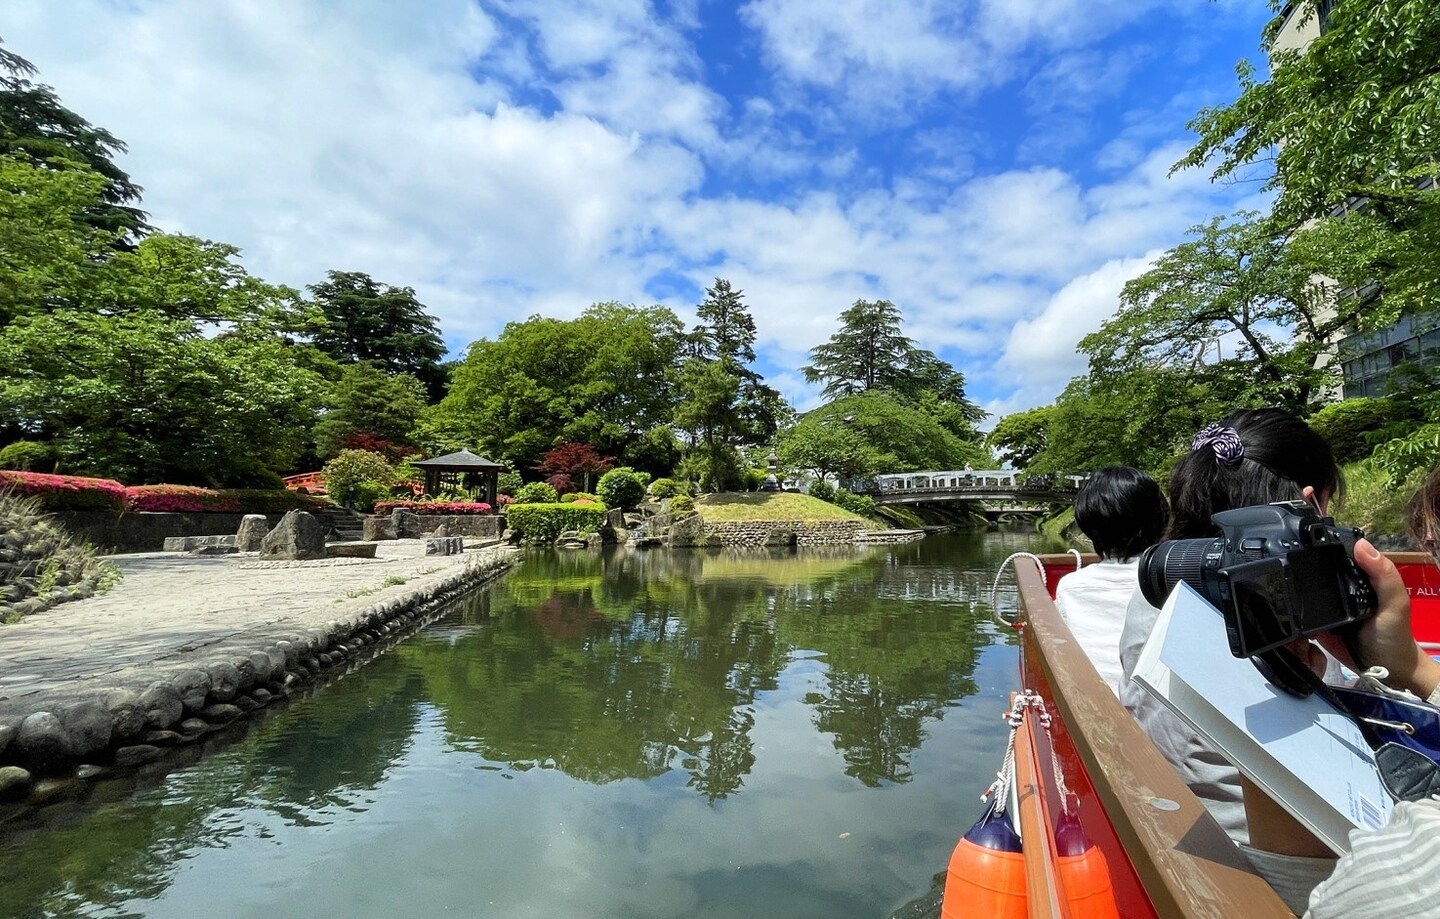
189	499
66	492
435	507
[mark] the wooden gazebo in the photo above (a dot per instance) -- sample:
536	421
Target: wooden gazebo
474	474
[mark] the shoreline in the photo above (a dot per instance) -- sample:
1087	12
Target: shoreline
183	647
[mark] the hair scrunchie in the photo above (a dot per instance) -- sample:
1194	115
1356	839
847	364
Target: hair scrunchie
1223	441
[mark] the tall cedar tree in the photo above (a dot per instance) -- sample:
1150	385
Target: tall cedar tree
36	126
369	321
725	403
870	352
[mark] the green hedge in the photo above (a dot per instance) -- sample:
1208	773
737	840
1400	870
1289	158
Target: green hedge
543	523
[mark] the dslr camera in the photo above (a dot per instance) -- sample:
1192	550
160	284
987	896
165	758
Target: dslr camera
1279	572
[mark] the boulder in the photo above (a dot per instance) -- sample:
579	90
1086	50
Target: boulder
373	529
351	550
161	704
298	536
14	783
440	531
253	528
687	532
89	725
194	543
42	742
445	545
136	755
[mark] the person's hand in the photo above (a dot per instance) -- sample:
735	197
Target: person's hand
1385	639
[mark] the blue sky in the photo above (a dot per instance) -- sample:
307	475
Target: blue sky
997	168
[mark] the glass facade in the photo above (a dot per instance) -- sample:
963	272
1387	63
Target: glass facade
1368	361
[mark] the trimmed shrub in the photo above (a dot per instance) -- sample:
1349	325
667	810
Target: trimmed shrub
349	468
823	490
753	478
855	504
622	487
682	505
365	495
543	523
509	482
579	496
664	488
479	508
28	455
537	493
66	492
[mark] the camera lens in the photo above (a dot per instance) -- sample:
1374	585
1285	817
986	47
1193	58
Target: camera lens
1168	563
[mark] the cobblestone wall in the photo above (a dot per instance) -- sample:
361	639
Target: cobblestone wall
415	526
766	533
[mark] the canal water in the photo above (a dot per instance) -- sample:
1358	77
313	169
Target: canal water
707	734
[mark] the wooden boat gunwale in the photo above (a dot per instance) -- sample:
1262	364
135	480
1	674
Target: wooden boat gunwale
1185	863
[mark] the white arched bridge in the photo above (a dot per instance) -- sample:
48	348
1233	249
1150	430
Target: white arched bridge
1000	491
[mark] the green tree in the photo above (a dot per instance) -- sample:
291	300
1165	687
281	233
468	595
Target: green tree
1346	127
369	321
724	403
605	378
145	397
36	127
368	400
822	448
870	352
1235	280
48	247
1021	436
898	437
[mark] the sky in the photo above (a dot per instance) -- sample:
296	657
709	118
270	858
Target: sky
996	168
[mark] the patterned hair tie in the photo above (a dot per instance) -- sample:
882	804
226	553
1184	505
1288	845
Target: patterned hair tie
1223	441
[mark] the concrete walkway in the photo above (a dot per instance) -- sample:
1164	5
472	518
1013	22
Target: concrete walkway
174	611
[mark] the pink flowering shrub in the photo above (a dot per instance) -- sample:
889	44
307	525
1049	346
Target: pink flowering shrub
189	499
434	507
66	492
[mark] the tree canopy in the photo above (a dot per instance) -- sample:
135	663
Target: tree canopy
369	321
604	378
36	128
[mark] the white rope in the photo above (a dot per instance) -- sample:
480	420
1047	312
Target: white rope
995	585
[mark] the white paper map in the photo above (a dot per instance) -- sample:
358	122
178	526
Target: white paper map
1302	752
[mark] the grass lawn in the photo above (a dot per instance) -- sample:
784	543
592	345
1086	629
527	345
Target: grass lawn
768	505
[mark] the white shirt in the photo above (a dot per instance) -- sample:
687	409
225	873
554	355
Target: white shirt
1209	774
1093	602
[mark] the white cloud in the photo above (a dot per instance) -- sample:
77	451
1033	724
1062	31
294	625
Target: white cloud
506	169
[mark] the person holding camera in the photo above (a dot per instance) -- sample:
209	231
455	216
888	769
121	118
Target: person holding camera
1252	457
1389	871
1123	513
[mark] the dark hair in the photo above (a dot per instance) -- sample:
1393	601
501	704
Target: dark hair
1422	514
1122	511
1281	456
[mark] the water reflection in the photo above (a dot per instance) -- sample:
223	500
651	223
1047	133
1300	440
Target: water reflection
721	677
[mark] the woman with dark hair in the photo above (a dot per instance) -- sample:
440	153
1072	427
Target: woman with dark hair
1253	456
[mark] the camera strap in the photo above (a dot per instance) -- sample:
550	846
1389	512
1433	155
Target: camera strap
1403	733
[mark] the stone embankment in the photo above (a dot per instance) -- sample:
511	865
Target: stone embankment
695	531
186	645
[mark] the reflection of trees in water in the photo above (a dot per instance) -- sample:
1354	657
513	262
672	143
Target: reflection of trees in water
322	754
638	663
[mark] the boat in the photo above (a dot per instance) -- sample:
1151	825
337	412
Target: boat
1106	827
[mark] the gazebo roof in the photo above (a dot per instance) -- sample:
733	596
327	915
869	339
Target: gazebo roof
461	461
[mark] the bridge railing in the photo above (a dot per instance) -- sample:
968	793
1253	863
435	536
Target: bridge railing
969	480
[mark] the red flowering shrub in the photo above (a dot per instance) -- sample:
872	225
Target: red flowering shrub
434	507
66	492
187	499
